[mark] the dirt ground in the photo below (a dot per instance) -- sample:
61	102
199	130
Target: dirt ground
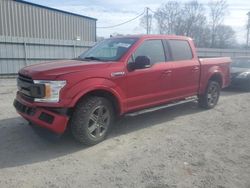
182	146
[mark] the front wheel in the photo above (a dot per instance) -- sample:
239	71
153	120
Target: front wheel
91	120
211	96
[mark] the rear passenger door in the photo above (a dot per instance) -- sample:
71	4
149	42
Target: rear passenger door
185	71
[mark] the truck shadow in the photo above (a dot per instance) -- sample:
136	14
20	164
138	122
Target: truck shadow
130	124
20	144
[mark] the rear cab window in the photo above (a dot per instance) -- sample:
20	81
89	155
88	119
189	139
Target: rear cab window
179	50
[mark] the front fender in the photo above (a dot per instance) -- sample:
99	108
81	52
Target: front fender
82	88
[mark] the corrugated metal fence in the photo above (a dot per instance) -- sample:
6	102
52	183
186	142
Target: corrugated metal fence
24	19
216	52
17	52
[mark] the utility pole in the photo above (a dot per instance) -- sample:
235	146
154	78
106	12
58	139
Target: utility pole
248	28
147	20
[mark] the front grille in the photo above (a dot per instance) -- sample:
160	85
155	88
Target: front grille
24	109
28	89
25	78
24	85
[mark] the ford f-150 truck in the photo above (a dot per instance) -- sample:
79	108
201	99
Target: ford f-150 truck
118	76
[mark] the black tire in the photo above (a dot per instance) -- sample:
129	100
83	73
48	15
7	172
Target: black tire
91	120
211	95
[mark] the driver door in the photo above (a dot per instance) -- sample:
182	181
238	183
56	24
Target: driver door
144	86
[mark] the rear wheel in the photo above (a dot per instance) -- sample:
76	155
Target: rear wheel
211	96
91	120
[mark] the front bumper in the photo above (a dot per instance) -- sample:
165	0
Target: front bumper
40	116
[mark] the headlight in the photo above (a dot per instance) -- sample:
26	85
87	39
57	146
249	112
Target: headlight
243	75
52	90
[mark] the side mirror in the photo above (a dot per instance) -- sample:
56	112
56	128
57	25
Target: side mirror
141	62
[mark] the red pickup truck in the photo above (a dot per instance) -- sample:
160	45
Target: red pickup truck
118	76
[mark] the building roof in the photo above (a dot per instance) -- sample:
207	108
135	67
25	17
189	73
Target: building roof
53	9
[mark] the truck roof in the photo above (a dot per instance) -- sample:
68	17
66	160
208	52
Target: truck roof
155	36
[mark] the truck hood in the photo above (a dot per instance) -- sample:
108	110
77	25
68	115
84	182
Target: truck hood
53	69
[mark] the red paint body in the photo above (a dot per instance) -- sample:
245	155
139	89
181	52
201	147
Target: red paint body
134	90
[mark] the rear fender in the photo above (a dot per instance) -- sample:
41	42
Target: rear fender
213	71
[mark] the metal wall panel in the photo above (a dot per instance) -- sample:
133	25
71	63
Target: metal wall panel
22	19
17	52
216	52
31	33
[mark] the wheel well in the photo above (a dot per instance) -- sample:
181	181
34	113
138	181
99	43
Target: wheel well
107	95
217	78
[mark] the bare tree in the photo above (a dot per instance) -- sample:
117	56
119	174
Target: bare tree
202	38
224	37
217	12
193	16
190	20
168	17
193	21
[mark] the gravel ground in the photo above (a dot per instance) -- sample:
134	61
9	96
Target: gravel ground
182	146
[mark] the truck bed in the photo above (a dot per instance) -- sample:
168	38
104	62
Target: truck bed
220	64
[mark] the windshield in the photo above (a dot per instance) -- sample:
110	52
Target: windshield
109	49
241	63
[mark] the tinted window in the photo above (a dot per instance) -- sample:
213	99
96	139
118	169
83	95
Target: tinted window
153	49
180	50
109	49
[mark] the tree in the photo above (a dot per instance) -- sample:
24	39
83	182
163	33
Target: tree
168	17
224	37
188	20
203	38
194	17
217	12
193	21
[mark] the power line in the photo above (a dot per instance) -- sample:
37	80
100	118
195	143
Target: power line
230	7
145	10
106	27
152	10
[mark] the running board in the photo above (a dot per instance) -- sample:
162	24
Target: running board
186	100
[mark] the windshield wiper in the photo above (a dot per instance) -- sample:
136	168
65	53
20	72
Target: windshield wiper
92	58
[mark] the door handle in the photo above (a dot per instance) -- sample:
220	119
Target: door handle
195	69
167	72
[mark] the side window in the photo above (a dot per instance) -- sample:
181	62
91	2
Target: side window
151	48
180	50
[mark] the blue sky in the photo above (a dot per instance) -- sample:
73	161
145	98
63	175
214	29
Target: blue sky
111	12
